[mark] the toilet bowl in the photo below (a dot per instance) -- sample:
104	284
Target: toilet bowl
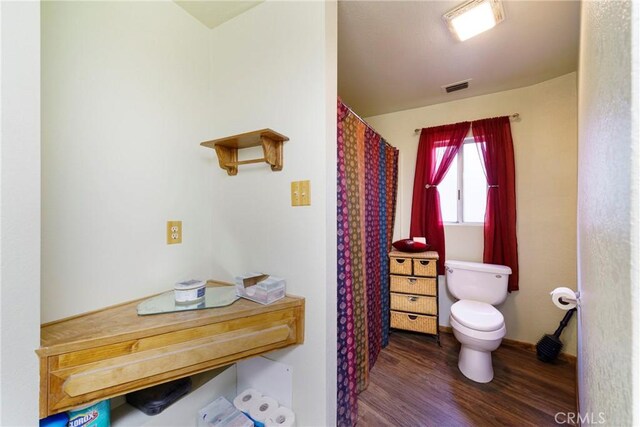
476	323
477	339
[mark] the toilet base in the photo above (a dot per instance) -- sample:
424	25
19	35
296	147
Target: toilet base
475	365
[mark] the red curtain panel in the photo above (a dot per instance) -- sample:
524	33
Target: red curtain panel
437	149
493	137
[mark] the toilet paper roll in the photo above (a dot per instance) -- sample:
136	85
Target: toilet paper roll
565	294
262	408
281	417
246	399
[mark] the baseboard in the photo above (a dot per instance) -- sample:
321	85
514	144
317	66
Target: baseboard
445	329
518	344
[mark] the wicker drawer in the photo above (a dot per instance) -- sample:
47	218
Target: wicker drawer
424	267
414	303
400	266
414	322
413	285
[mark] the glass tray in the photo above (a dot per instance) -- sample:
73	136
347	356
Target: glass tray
214	296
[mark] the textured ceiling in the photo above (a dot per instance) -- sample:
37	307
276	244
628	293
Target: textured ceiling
213	13
396	55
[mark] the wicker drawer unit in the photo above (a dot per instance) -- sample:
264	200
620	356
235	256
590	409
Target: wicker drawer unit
400	265
414	292
415	322
414	303
424	267
413	285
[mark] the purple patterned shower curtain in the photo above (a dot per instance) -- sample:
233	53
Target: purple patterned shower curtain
367	187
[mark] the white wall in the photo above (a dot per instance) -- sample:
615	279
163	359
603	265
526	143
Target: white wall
125	90
274	67
545	145
19	212
129	91
331	185
608	203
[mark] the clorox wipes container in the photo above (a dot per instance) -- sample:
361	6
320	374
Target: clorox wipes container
95	415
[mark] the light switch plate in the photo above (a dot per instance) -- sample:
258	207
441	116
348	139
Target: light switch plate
301	193
295	193
174	232
305	193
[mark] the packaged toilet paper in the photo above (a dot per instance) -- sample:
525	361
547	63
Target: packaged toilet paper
221	413
262	409
281	417
246	399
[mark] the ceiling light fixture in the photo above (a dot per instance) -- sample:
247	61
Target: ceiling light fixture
474	17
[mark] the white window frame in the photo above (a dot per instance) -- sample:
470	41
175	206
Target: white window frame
460	189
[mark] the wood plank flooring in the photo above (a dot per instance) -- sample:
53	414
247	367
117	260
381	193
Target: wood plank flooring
416	383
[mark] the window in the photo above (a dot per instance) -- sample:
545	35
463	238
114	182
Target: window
463	191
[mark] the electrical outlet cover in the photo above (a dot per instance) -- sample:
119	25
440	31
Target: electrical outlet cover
174	232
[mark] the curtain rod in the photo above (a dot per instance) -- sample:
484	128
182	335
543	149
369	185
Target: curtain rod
366	124
512	116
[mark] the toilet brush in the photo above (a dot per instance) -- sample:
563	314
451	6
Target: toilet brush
549	346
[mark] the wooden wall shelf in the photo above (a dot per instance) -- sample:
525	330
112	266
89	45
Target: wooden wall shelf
227	149
110	352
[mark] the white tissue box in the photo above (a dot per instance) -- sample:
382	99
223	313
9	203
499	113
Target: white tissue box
264	292
221	413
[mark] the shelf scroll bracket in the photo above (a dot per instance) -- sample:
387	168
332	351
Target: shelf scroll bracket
272	150
227	159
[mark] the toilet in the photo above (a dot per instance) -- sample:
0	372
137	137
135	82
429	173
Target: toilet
476	323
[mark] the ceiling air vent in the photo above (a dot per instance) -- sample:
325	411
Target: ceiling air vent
456	86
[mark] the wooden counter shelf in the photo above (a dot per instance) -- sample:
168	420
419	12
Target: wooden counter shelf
113	351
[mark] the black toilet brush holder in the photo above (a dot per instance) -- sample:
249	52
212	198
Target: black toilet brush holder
549	346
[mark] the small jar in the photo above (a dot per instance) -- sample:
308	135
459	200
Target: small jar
189	292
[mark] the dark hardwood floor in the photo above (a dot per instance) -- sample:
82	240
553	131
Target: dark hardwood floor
416	383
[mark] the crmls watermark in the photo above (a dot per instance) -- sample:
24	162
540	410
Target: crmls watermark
576	418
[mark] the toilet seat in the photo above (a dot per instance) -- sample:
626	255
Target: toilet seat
476	315
498	334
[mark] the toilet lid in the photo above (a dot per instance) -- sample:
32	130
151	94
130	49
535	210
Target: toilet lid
477	315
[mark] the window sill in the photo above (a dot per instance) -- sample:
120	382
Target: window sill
464	224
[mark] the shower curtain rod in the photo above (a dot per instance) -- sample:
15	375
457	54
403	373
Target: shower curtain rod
512	116
366	124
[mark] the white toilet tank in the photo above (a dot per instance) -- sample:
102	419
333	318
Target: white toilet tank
477	281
